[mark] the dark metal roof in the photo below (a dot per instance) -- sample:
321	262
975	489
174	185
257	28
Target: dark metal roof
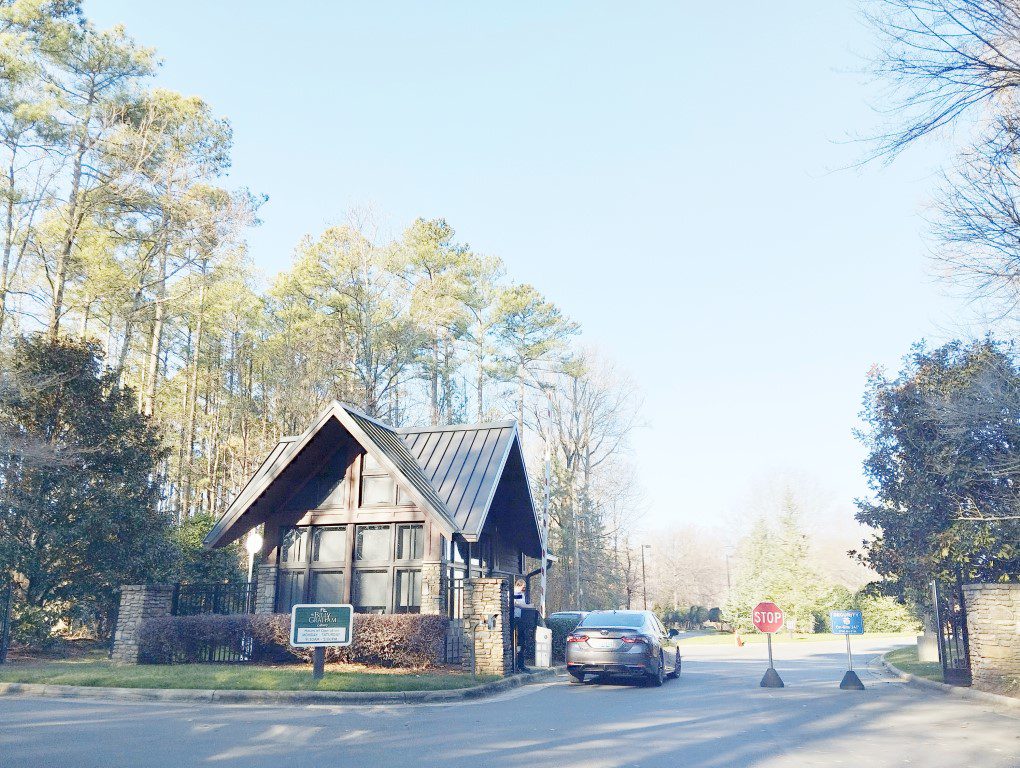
464	464
390	444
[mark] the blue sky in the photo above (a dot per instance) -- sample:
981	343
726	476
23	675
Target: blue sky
667	172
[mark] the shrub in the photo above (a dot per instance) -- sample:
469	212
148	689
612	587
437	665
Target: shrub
32	626
192	639
883	613
393	640
560	629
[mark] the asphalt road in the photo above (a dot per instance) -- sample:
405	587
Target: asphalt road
715	715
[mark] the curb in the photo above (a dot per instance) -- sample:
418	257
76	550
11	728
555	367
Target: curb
952	690
185	695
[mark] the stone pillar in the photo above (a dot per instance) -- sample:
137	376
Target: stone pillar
433	589
265	588
138	603
492	647
993	626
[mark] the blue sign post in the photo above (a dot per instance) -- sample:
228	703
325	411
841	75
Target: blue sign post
848	623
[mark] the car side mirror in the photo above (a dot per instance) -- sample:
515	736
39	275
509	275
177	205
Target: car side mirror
673	633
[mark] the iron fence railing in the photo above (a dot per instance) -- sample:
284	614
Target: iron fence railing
453	645
226	598
6	604
455	593
951	623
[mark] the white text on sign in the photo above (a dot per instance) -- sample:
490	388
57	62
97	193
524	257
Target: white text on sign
322	634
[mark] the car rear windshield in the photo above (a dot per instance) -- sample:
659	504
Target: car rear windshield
629	620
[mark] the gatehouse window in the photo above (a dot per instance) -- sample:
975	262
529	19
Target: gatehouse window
312	565
408	597
387	576
378	488
384	568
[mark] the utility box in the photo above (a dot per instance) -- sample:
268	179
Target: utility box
927	647
543	647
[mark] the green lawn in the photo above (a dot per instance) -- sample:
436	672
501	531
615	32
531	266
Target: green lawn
230	677
727	638
906	660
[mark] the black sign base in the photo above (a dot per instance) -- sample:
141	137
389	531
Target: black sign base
772	679
851	682
318	662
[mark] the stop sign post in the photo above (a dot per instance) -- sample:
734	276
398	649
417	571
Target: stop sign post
768	617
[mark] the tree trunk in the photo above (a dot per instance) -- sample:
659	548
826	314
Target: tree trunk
5	265
434	380
480	383
74	219
156	341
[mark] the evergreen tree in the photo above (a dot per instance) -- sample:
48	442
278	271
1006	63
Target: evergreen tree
78	484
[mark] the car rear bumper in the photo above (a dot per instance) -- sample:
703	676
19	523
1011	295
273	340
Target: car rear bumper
610	662
613	669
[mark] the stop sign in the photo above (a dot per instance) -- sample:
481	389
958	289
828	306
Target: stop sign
767	617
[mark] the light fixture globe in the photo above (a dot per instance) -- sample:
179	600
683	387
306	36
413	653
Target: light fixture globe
253	544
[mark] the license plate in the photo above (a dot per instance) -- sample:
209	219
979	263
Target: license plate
598	643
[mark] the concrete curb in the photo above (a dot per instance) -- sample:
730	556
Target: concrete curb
951	690
188	695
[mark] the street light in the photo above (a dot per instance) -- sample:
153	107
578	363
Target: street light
644	581
253	544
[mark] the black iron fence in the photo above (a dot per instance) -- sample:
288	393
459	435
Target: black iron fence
6	603
197	599
455	593
951	622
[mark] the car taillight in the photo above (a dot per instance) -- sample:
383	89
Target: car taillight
633	640
577	638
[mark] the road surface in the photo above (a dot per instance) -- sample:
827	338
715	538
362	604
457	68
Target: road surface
714	716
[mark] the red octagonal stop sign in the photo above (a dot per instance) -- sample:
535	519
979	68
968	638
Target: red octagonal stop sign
767	617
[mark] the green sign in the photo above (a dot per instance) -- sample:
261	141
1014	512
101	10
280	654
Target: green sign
321	625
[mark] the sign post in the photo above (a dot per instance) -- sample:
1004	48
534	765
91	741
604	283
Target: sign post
317	626
848	623
768	618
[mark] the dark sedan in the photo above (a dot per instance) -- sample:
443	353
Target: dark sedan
632	643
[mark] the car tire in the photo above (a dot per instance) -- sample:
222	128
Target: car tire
577	677
659	677
676	667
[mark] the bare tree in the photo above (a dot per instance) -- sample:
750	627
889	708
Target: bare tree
591	411
979	227
944	59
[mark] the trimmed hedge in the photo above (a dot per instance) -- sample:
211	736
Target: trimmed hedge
560	629
392	640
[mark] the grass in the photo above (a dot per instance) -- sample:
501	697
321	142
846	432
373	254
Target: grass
905	659
233	677
727	638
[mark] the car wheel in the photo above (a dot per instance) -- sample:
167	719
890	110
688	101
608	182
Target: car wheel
660	674
676	667
577	677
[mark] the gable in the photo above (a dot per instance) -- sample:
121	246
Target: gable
457	474
292	462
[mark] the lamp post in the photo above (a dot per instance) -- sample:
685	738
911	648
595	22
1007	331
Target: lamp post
644	580
253	545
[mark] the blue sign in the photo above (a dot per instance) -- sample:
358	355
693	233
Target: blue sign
846	622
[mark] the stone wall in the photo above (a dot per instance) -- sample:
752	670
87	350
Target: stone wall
993	624
492	647
265	588
138	603
433	592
